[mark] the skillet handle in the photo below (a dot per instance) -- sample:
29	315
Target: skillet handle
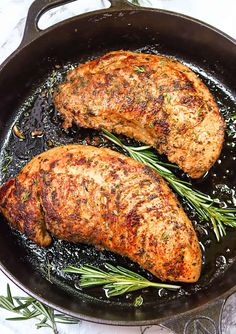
39	7
36	10
206	320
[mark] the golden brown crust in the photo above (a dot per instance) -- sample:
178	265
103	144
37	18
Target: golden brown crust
151	98
100	197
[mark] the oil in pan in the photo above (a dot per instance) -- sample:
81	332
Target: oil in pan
38	128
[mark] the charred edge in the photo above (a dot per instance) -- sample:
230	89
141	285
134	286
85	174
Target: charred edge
4	188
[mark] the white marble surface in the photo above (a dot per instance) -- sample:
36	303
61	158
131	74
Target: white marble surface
219	13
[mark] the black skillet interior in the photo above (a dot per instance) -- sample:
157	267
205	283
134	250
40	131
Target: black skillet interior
26	83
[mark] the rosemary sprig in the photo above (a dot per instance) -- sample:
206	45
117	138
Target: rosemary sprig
140	2
29	308
116	281
208	208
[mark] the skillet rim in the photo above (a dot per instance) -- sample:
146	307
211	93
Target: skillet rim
27	41
24	44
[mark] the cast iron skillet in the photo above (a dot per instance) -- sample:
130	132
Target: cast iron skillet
211	54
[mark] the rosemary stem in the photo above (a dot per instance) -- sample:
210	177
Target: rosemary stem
116	281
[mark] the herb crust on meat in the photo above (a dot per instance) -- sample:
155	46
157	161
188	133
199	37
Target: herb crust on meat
154	99
97	196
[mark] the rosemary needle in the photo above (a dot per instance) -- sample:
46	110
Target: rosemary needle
116	281
30	308
207	208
